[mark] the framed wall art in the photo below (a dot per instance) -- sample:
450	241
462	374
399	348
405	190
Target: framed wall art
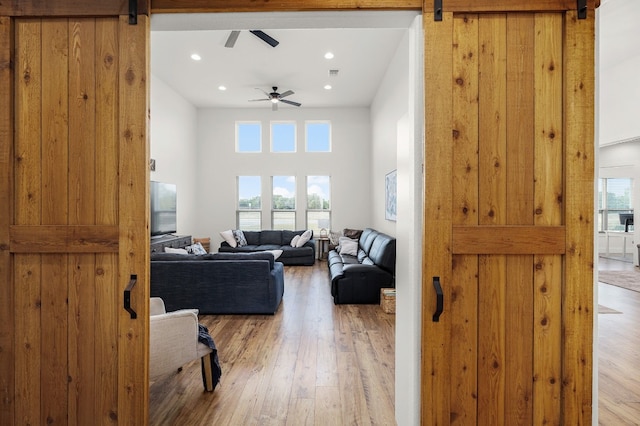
390	195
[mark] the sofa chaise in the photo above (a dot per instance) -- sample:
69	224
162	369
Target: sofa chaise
276	240
358	278
218	283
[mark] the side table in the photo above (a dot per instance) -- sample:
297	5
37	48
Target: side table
323	247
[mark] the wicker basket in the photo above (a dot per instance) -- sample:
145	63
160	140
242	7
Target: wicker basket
388	300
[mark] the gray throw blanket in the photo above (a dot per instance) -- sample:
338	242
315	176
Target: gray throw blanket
205	337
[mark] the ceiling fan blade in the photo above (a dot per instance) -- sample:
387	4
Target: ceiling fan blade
290	102
231	41
274	106
255	100
287	93
264	37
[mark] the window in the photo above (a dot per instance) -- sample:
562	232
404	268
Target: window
283	202
614	198
318	136
248	137
283	137
318	203
249	203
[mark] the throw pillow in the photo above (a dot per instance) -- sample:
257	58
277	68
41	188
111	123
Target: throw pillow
352	233
295	240
334	238
175	250
306	236
276	253
229	238
348	246
196	249
239	236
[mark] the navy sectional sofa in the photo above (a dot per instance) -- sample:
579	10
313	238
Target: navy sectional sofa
218	283
276	240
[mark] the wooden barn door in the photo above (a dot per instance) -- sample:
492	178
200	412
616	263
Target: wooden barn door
508	216
73	216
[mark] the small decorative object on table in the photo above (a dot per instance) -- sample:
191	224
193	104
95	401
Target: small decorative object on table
323	232
388	300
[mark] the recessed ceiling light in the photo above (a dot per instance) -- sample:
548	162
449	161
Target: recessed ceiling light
328	55
195	57
327	87
223	88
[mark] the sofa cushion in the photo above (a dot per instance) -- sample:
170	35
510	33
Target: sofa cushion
174	256
366	239
294	241
252	237
383	252
271	237
245	256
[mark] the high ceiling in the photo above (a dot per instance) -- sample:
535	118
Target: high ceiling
363	44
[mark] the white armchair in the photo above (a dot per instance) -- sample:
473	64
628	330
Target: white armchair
174	342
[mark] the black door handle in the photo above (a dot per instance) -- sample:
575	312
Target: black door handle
127	296
439	299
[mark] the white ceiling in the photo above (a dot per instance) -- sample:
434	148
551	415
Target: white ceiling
619	32
363	44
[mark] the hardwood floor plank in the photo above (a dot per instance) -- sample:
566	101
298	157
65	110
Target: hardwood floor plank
618	352
355	362
312	363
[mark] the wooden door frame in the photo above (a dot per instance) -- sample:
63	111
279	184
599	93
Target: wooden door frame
581	107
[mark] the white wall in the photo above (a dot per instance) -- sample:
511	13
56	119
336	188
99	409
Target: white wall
173	146
408	232
348	165
617	72
389	105
620	101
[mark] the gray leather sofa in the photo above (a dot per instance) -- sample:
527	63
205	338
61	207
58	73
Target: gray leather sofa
276	240
358	279
218	283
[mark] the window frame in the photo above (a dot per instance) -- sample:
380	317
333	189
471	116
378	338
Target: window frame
294	123
306	135
237	136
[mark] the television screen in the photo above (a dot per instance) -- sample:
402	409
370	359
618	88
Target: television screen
163	208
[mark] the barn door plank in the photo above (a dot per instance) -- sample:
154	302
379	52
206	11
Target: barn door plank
464	293
577	307
28	205
548	210
7	294
436	262
106	270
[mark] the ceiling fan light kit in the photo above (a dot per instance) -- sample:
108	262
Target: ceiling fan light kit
276	98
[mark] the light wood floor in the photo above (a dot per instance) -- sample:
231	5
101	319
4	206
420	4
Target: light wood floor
618	352
317	363
313	363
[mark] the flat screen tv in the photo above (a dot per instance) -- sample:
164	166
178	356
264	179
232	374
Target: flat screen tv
163	208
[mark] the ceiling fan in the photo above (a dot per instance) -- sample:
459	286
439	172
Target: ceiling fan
231	40
276	98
